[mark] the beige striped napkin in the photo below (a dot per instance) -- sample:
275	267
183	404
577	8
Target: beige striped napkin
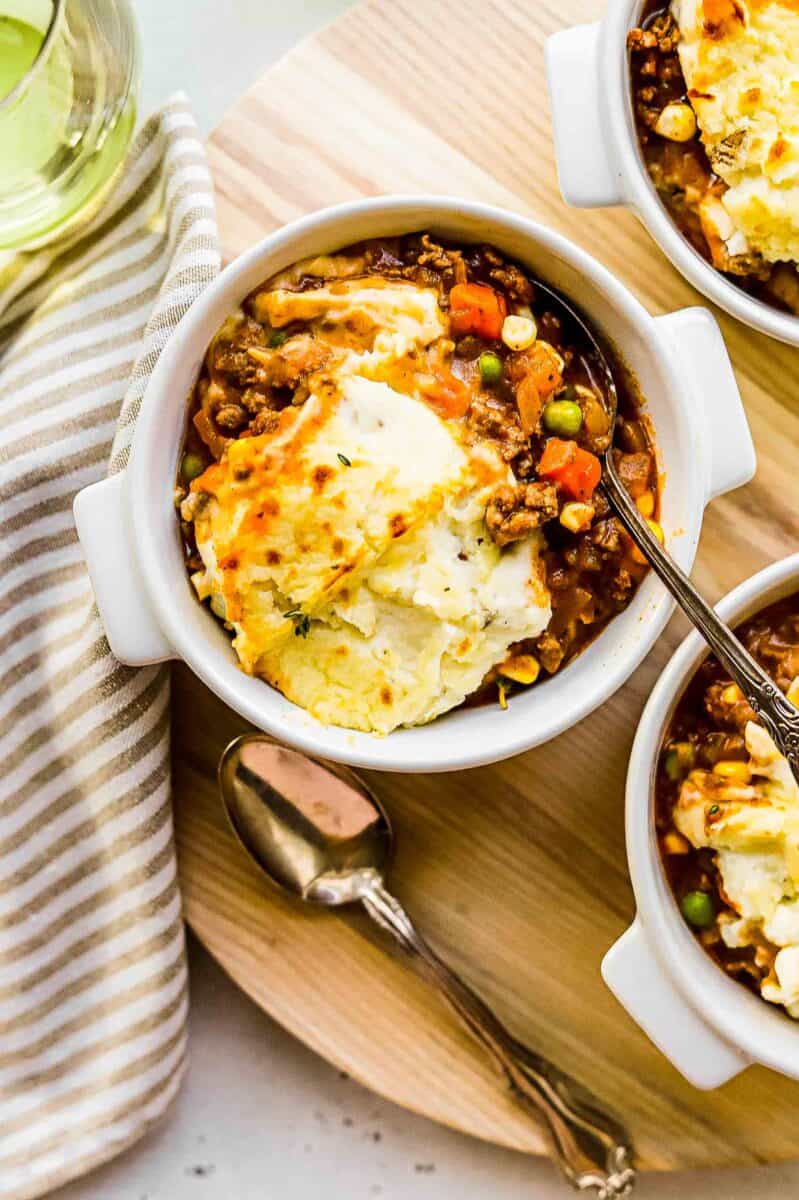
92	959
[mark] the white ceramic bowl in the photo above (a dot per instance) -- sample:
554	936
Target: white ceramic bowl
708	1025
599	162
130	535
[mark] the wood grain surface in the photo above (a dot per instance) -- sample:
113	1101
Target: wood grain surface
516	872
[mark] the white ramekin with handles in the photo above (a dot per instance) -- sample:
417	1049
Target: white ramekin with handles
709	1026
600	164
128	527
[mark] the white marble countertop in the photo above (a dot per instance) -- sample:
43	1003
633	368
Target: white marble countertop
260	1116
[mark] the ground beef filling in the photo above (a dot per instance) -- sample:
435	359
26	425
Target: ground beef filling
516	510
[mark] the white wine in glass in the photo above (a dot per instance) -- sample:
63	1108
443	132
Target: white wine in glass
68	78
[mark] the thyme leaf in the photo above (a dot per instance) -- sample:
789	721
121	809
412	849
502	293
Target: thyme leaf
302	622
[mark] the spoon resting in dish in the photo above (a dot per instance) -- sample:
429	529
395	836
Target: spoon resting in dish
778	715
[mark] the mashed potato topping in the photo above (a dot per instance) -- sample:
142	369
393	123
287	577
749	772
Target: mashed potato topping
753	827
347	546
740	59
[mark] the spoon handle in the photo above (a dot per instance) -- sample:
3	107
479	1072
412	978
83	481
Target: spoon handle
592	1149
774	709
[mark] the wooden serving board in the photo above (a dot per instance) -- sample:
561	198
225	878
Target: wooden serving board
516	872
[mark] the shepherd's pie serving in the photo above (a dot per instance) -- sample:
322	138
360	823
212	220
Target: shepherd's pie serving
388	490
716	92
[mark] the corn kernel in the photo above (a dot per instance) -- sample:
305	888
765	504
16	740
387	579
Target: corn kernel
675	843
733	772
677	122
635	553
732	694
646	504
576	516
518	332
521	668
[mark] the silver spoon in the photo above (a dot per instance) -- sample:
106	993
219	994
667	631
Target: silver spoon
774	709
320	834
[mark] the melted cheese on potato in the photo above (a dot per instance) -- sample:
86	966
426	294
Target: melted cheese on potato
363	519
754	830
742	73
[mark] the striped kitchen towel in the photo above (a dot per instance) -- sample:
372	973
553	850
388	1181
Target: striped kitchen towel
93	987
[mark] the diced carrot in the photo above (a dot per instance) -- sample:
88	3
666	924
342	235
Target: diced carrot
447	395
529	404
557	457
583	481
575	471
477	309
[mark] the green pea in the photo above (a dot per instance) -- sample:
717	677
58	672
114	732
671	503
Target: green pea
490	365
191	467
671	765
563	417
679	759
698	910
277	339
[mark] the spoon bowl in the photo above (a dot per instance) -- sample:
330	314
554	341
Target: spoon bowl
314	829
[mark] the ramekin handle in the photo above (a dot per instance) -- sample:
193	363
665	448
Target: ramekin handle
101	521
586	170
632	971
702	355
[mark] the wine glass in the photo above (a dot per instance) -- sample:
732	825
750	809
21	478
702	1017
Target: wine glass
68	82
